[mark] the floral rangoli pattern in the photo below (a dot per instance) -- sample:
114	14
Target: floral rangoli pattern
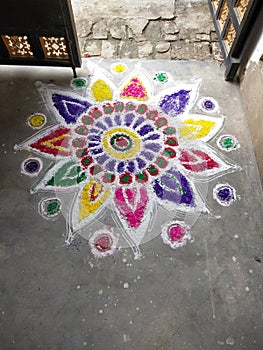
128	149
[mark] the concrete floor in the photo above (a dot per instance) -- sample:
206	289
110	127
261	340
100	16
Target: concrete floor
207	295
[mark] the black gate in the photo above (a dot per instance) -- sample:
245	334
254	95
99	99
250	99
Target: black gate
238	24
38	32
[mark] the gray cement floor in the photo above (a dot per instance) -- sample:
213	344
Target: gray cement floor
207	295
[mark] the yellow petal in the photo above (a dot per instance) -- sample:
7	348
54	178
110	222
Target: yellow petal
92	197
195	129
101	91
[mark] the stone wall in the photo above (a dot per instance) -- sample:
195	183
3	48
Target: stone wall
148	29
252	93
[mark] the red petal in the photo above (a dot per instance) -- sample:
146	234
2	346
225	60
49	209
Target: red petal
56	143
197	161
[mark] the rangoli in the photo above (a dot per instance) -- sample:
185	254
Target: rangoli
131	155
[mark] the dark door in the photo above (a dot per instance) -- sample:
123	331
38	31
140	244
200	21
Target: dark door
38	32
238	24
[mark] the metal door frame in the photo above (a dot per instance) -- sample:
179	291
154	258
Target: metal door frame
246	30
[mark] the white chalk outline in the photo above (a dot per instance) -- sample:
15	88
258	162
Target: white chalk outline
24	172
236	143
180	243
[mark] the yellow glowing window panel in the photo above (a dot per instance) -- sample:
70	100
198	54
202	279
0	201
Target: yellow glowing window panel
18	45
223	15
241	7
230	36
54	47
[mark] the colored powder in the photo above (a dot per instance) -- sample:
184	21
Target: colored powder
176	232
101	91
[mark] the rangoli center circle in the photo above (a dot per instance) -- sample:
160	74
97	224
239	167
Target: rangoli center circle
121	143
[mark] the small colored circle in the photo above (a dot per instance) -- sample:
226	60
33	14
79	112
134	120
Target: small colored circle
36	121
95	113
152	114
87	120
228	143
108	108
108	178
169	152
31	166
224	194
161	77
142	177
81	130
79	83
79	143
152	170
130	106
86	161
49	208
126	178
208	104
142	109
161	122
119	68
82	152
121	142
119	106
176	234
161	162
169	131
103	243
171	141
95	169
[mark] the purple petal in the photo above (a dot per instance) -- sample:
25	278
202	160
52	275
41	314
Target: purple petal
155	147
148	155
101	126
96	151
129	119
117	119
138	122
102	159
152	137
145	129
175	103
121	166
108	120
110	166
94	138
174	187
141	163
131	167
70	108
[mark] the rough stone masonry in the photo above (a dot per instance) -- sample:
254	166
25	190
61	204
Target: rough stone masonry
148	29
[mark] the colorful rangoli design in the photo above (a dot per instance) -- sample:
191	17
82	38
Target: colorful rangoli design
129	151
